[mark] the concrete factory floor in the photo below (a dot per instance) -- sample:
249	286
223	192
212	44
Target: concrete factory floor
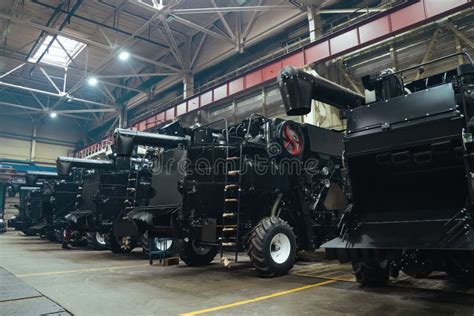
86	282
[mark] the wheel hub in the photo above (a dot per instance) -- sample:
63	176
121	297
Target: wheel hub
100	238
280	248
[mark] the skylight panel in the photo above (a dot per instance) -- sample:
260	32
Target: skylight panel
56	55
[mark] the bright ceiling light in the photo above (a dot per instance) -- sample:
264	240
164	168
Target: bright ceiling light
53	115
92	81
124	55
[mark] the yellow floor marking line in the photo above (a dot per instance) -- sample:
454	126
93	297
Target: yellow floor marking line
80	270
257	299
344	278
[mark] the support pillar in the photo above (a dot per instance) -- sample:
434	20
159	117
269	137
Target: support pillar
314	20
123	121
33	142
188	85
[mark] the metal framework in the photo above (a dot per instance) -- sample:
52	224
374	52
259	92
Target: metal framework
57	90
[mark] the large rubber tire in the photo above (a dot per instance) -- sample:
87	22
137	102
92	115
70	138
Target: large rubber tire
96	241
59	235
28	232
194	255
460	267
51	235
272	247
116	246
371	273
417	264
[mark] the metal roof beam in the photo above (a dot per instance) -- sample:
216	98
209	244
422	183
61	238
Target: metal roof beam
224	22
10	85
233	9
201	28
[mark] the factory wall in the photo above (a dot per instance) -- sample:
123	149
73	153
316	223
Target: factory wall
53	138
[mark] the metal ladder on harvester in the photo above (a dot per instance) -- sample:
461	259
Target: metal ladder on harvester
132	187
232	192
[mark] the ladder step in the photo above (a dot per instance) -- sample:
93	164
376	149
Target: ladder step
231	200
233	172
229	214
232	158
229	244
230	186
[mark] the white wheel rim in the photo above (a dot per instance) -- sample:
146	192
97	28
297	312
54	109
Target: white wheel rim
163	245
280	248
100	238
201	250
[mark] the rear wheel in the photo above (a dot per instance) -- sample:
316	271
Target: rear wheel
272	247
51	235
196	255
417	264
28	232
119	245
371	273
460	266
96	240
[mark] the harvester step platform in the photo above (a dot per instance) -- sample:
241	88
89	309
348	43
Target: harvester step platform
229	229
229	244
230	186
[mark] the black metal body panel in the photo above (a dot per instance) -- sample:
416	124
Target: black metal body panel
323	141
383	115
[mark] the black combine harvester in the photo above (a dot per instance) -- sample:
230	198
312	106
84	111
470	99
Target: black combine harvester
259	186
100	198
153	186
410	159
36	207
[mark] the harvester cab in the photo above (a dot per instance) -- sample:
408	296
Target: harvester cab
408	149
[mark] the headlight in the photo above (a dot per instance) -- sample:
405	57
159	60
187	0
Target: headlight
1	220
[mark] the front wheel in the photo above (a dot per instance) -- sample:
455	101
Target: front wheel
371	273
196	255
96	240
272	247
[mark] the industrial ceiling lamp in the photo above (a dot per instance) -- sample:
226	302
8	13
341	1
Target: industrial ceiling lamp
53	115
124	55
92	81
